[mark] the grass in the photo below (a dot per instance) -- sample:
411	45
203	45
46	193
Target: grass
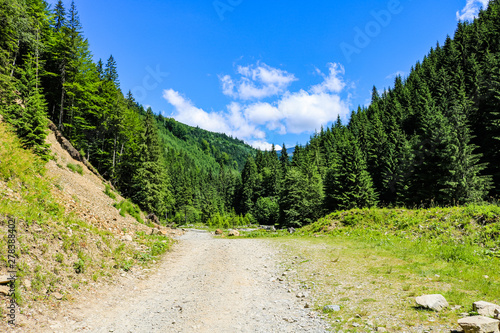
127	207
368	260
75	168
109	192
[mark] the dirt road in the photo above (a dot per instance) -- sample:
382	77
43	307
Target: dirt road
205	285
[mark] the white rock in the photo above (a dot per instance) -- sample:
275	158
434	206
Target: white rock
479	324
234	233
4	279
4	290
485	308
434	302
127	238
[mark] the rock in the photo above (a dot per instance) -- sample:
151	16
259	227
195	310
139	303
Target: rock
153	218
307	306
155	231
497	314
234	233
268	227
479	324
218	232
300	295
434	302
485	309
4	279
57	296
331	308
27	283
5	290
381	329
127	238
291	230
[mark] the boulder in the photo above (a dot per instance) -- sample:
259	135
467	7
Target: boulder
268	227
127	238
331	308
485	309
155	231
234	233
479	324
57	296
497	314
4	290
218	232
4	279
153	218
434	302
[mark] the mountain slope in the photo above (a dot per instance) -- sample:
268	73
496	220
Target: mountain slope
70	237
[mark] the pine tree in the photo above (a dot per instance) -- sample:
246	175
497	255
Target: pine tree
284	159
150	181
250	184
31	124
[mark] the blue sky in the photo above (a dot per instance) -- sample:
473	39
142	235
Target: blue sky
264	71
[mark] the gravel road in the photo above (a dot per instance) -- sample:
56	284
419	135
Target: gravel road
206	284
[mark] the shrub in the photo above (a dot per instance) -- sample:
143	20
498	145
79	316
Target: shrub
75	168
108	192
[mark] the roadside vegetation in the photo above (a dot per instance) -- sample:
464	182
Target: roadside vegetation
374	262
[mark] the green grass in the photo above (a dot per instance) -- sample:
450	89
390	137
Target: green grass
451	251
127	207
109	192
75	168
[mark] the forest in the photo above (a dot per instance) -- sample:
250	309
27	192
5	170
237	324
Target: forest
433	139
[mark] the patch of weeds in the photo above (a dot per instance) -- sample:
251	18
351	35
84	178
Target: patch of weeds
95	276
368	300
407	287
127	207
38	282
59	257
79	265
59	187
75	168
109	192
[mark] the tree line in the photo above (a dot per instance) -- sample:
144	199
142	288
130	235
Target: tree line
431	139
47	73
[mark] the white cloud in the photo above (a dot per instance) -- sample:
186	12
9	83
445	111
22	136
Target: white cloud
306	112
394	75
256	82
333	82
293	112
188	114
471	9
263	145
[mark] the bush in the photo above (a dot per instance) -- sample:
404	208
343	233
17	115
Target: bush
75	168
108	192
127	207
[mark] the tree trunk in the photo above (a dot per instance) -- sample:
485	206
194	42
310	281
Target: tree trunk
15	58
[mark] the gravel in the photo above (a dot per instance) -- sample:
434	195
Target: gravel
205	285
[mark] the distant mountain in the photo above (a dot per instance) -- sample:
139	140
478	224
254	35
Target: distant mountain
204	146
